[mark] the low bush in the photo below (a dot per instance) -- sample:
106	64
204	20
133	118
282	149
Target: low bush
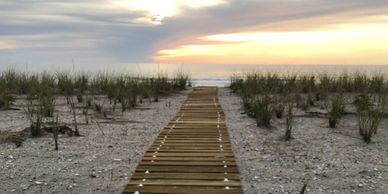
263	110
337	109
369	122
6	99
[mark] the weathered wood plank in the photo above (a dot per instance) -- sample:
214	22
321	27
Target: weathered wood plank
181	190
188	183
184	176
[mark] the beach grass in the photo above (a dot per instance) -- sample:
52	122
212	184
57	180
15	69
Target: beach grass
263	94
106	91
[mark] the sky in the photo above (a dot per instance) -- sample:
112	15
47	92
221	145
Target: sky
104	32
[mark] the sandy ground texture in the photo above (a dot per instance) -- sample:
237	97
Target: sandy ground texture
330	160
92	163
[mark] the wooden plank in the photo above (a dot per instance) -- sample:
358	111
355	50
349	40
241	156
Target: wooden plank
223	135
187	163
213	151
220	150
215	155
180	190
182	168
192	147
197	139
198	122
188	183
178	127
184	176
185	151
202	143
207	140
194	139
167	142
186	159
199	132
188	144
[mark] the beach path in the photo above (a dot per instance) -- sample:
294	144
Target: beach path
192	154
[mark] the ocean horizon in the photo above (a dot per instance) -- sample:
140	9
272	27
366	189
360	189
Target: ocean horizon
201	74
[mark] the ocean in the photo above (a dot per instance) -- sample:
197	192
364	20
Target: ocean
201	74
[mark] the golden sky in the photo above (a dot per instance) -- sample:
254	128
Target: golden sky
348	38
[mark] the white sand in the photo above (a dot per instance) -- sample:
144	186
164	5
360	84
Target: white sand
93	163
333	160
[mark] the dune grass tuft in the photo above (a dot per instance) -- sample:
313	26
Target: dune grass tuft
337	109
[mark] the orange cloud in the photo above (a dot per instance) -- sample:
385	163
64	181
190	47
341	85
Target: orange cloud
361	41
5	45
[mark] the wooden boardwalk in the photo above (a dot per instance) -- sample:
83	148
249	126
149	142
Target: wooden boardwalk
192	154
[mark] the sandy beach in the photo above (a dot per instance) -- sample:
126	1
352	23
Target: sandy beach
92	163
329	160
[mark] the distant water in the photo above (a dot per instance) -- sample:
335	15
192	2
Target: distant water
211	81
202	75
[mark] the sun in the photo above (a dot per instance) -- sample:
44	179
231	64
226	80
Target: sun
156	11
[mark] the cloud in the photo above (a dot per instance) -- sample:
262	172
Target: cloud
123	31
274	15
119	29
292	32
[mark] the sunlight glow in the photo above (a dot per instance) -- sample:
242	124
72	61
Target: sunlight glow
156	11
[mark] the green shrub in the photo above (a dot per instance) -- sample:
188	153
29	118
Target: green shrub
81	83
180	81
363	102
369	121
46	100
370	116
236	83
360	82
65	83
34	115
376	84
6	99
263	111
337	109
